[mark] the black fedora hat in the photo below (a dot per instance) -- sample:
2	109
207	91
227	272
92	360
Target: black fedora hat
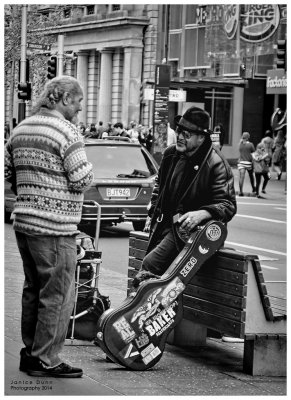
194	120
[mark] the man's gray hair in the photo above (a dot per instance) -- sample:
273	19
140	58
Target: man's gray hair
54	90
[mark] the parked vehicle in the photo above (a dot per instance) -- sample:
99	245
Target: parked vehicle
124	175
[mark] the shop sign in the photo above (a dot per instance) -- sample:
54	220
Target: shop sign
231	18
276	82
177	95
257	22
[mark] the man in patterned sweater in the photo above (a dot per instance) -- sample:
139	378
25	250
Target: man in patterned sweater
46	163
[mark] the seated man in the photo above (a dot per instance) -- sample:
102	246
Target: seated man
194	181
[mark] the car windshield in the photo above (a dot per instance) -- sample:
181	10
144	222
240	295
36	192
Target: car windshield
119	162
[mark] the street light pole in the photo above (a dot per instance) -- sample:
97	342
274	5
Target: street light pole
60	65
21	104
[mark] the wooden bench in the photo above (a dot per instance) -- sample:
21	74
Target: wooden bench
229	295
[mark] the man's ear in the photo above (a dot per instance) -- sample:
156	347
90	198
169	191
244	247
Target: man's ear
66	96
201	139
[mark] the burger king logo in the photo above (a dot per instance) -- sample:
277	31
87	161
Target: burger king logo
259	21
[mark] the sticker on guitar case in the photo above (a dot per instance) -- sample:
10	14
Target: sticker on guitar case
188	267
124	329
129	352
152	355
213	232
162	321
142	340
172	291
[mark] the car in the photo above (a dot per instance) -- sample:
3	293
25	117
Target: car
124	176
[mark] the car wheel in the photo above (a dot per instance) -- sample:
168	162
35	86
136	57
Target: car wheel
138	225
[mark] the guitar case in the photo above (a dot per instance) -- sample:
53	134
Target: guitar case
134	334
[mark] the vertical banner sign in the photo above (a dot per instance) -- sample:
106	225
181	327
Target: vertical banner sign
160	114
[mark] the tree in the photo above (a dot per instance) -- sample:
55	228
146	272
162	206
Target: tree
36	20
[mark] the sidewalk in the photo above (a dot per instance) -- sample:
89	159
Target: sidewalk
213	370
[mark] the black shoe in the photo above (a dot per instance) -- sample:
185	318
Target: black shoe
241	194
263	191
37	368
24	359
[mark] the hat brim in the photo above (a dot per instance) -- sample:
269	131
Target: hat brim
198	131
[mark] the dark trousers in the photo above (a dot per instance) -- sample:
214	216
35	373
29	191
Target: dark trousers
164	253
258	181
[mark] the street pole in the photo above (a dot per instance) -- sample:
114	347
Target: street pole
21	104
60	57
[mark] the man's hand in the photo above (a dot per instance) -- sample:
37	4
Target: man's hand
142	276
147	224
191	219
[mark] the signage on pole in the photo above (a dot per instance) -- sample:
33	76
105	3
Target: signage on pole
39	46
177	95
160	114
276	82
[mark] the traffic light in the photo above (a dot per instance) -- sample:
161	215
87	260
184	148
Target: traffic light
24	91
52	67
243	70
281	60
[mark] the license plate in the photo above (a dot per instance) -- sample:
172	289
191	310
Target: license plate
118	192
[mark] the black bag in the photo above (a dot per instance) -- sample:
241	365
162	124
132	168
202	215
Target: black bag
85	327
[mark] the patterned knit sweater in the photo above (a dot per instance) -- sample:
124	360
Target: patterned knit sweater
46	163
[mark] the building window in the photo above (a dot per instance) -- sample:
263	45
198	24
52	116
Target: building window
67	13
219	103
90	10
115	7
195	47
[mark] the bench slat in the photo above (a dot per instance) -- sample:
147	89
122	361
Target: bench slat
216	309
134	263
212	295
137	253
224	325
138	243
219	261
224	275
221	286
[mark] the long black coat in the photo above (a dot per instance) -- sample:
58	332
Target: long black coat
210	187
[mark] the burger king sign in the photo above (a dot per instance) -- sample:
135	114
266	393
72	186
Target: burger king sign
258	22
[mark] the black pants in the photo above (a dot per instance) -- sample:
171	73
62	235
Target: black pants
258	181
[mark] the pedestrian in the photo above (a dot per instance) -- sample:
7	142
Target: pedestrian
171	135
279	153
109	129
245	162
82	128
268	143
133	132
218	136
149	139
119	130
261	162
141	135
195	181
100	129
46	163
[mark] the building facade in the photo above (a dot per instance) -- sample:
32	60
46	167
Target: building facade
219	57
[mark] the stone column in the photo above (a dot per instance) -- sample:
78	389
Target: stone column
105	91
131	84
82	76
